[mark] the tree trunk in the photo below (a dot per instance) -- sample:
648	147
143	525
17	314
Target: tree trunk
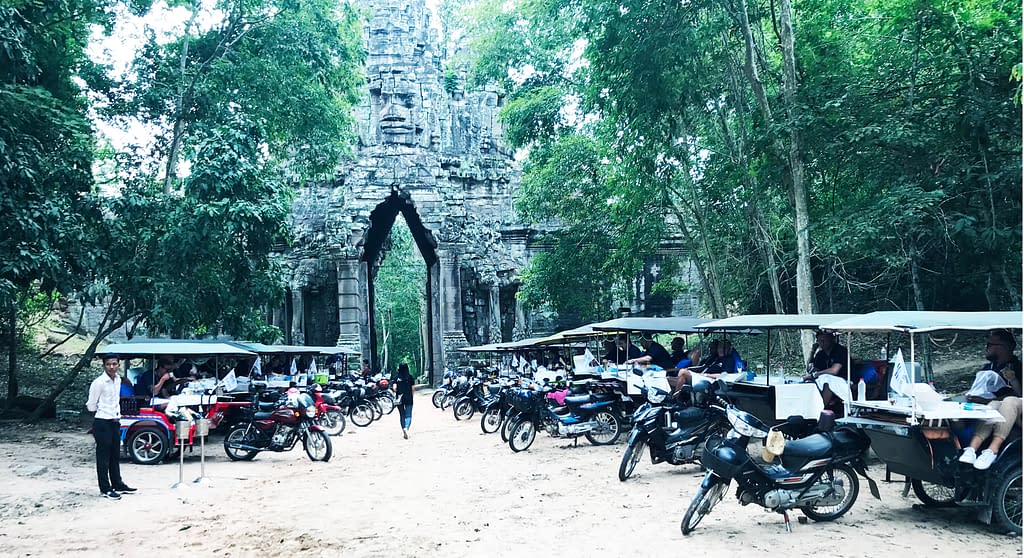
12	353
179	109
804	282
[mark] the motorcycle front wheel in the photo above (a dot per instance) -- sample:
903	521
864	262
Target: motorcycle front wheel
522	435
490	420
463	408
847	477
361	414
387	404
703	502
630	458
239	435
506	426
333	422
607	429
438	397
317	445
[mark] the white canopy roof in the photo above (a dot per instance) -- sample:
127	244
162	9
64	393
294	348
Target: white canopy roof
772	321
679	324
491	347
173	347
925	321
278	349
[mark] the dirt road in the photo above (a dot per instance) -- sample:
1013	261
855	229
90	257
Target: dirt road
448	491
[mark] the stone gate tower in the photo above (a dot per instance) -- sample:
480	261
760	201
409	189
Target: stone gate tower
433	154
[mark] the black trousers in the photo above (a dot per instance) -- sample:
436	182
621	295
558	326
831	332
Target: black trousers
107	433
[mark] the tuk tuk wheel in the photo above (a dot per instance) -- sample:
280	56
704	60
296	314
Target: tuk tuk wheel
933	495
1006	501
147	445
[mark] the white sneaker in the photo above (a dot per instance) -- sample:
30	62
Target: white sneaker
405	433
968	456
985	460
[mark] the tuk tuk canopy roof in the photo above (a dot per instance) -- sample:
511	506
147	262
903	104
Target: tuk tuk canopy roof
680	324
278	349
772	321
490	347
926	321
174	347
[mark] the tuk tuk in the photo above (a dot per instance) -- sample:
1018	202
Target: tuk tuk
919	434
149	424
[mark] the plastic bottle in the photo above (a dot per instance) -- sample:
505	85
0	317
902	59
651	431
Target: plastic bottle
862	390
885	353
968	406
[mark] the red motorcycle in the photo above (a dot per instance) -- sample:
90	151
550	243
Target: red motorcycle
328	413
289	419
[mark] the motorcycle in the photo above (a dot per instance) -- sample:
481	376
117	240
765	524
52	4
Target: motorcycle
290	419
817	474
591	415
674	429
328	414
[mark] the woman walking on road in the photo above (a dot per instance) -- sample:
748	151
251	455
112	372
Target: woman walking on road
403	392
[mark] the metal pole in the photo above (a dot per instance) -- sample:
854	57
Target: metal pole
202	430
181	428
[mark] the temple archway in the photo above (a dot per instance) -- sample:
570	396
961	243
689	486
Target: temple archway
381	222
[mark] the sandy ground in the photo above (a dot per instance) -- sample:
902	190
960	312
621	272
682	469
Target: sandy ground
448	491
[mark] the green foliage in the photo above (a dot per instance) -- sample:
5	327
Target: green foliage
909	114
399	288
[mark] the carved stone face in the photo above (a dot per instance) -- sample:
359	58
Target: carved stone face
396	100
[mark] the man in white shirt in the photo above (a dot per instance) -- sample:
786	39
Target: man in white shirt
105	402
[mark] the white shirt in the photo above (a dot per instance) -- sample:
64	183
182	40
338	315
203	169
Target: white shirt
105	397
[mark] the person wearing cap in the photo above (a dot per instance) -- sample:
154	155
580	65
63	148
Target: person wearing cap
105	402
1001	360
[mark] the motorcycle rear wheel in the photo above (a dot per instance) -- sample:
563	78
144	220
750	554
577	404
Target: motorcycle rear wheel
378	413
463	408
317	445
238	435
490	420
630	458
607	430
522	435
1006	502
447	401
361	414
333	422
438	397
703	502
848	476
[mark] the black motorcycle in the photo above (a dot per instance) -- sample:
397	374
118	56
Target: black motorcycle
674	429
817	474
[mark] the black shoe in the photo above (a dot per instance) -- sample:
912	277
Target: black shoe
125	489
111	495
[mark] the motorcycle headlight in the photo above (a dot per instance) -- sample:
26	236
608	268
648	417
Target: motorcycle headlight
311	412
746	423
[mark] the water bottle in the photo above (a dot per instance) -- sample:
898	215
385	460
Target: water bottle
885	353
968	406
862	390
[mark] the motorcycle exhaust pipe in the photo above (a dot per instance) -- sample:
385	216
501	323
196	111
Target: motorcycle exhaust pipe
244	447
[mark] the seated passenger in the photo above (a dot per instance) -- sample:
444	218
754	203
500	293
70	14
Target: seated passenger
654	353
1001	360
828	357
678	349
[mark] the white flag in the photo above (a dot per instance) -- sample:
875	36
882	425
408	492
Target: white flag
312	368
294	369
256	371
901	383
230	382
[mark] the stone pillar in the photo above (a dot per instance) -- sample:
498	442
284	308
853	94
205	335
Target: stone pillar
298	335
451	307
494	311
348	302
435	358
519	327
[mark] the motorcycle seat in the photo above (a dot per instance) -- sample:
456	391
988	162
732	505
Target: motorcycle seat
688	414
815	445
577	399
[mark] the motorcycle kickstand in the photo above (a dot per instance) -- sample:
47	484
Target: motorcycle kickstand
785	517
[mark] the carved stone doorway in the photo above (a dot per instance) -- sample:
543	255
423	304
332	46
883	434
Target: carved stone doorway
382	219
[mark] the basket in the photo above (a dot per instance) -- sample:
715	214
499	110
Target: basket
525	400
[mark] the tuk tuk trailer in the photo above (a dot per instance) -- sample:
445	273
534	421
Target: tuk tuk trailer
919	435
149	425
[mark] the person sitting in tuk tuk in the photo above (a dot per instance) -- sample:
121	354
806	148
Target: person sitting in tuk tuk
654	353
999	351
828	357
